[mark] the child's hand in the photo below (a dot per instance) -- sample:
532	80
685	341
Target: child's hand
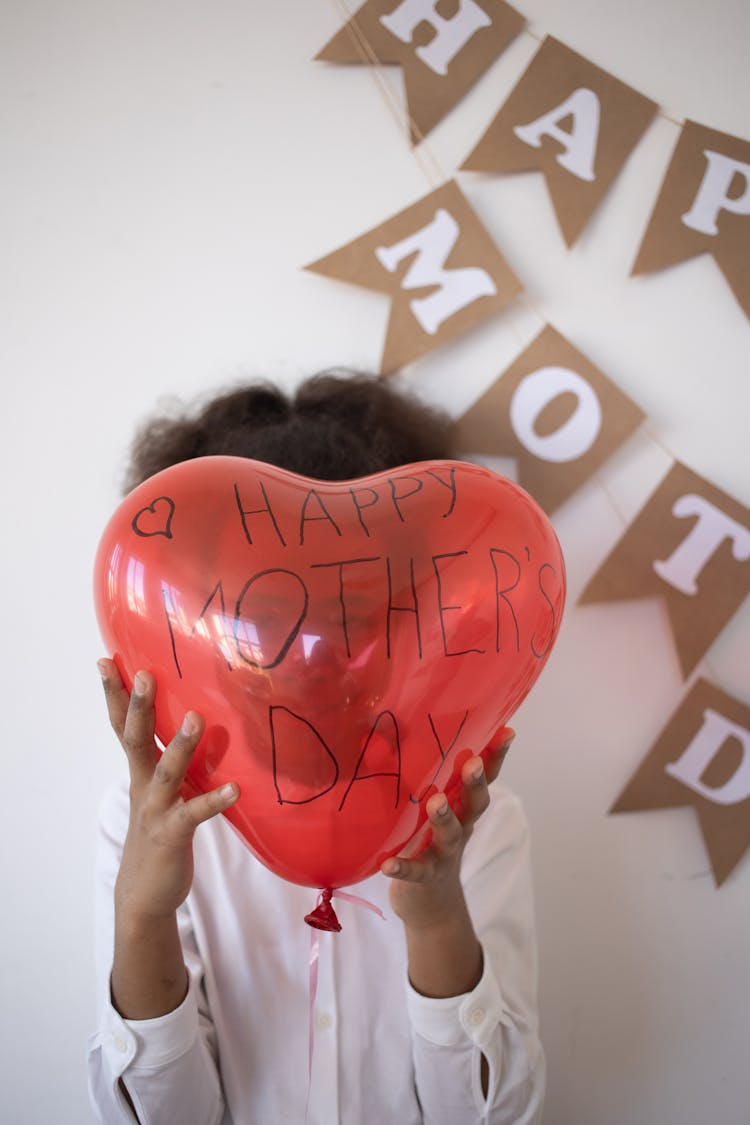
426	891
157	862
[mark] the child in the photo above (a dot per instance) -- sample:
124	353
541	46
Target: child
204	962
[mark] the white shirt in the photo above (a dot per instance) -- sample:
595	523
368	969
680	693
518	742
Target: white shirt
236	1051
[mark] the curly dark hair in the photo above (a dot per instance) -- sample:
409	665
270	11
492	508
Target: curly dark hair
337	426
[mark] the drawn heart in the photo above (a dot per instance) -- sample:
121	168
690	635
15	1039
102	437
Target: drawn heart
347	643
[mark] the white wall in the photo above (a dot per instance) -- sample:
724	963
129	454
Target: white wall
168	168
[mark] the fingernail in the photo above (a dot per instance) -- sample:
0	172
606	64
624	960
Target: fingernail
442	809
103	670
477	774
139	684
228	793
395	868
189	725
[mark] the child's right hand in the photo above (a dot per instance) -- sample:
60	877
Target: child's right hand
157	862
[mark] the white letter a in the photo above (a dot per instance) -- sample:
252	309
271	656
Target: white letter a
580	143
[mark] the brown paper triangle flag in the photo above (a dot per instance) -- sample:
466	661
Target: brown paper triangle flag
572	121
439	266
701	758
441	56
556	413
690	546
703	208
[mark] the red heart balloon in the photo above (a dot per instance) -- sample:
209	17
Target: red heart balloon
347	643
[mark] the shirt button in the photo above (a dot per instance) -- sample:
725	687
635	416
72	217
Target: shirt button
323	1021
477	1017
121	1044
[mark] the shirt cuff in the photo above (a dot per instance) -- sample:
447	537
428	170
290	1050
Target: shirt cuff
149	1044
448	1021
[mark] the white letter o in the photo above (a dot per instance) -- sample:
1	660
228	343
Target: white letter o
576	436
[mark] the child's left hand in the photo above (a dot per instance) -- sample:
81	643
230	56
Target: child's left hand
426	890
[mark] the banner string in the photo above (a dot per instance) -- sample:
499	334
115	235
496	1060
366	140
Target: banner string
435	176
422	153
396	105
658	441
398	108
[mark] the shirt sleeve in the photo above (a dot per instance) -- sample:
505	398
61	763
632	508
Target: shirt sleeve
168	1064
498	1019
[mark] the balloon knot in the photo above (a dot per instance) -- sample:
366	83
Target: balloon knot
323	917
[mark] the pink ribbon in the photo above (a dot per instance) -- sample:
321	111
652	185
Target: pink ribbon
326	896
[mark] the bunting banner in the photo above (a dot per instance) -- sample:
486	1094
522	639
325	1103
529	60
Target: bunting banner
689	545
572	121
441	57
552	409
701	758
703	208
437	263
556	414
